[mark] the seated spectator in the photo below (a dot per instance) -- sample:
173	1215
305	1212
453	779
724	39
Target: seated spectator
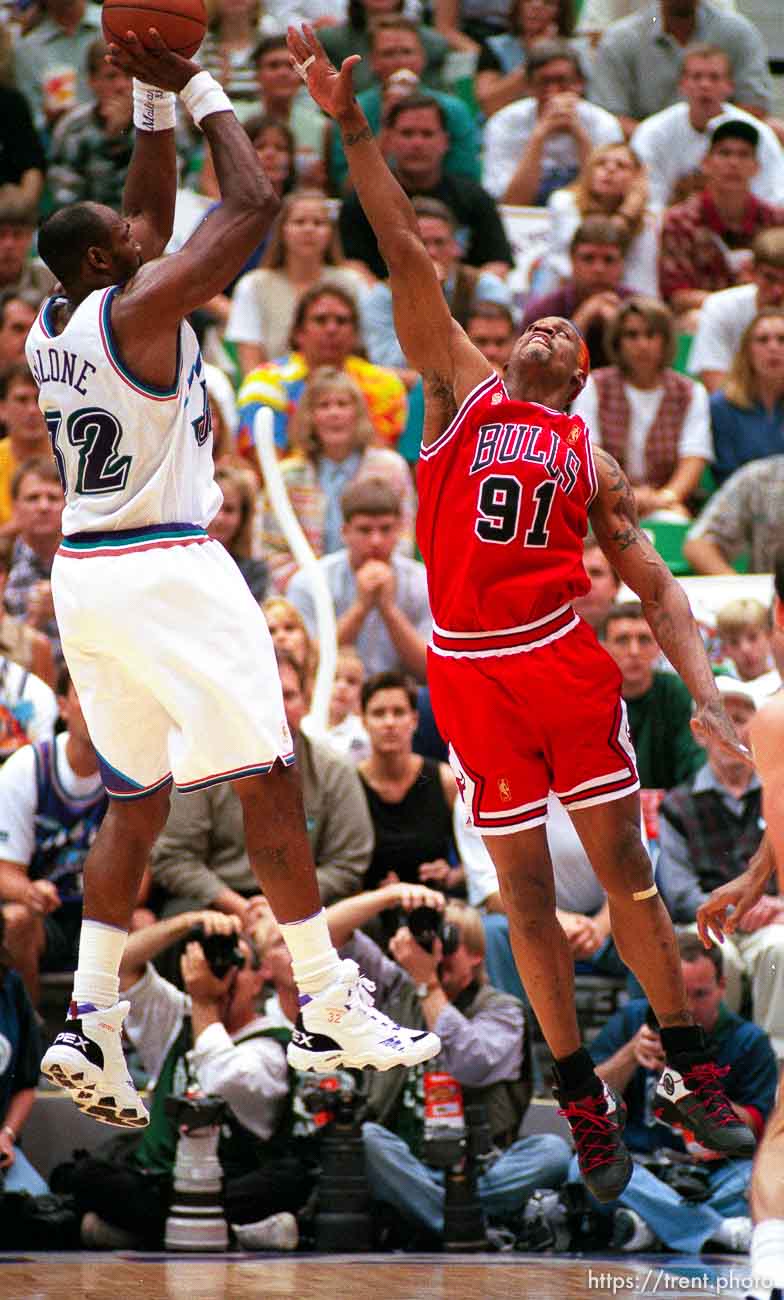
652	420
303	251
709	829
26	435
22	157
50	58
380	595
52	802
629	1058
290	635
37	496
16	317
502	70
233	526
491	329
325	333
410	798
346	730
232	35
724	315
591	296
747	413
744	518
596	604
20	272
637	65
706	240
23	645
331	435
91	144
673	142
538	144
19	1070
28	705
282	97
483	1039
397	57
200	858
744	629
612	183
415	137
463	285
209	1039
353	37
658	705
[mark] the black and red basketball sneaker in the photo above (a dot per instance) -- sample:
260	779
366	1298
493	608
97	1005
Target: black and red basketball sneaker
597	1121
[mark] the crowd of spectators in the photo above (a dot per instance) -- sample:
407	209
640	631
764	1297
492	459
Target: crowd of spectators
641	134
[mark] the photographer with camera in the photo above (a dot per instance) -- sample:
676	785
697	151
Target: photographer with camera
680	1193
437	979
209	1040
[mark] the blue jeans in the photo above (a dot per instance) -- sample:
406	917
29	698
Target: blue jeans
24	1177
682	1225
396	1176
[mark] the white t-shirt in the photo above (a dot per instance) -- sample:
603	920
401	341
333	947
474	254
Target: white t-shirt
264	302
722	320
18	798
695	438
671	147
641	264
597	14
507	133
32	702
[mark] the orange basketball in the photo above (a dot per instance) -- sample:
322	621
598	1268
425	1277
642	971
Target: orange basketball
181	23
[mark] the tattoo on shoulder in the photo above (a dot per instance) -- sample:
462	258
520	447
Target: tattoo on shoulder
354	137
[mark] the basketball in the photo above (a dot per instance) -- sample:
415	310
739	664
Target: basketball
181	23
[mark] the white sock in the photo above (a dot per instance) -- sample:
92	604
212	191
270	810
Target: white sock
314	960
767	1253
96	978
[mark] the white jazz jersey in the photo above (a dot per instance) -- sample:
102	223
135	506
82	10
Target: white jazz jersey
129	455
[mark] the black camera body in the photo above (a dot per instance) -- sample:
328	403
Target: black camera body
221	951
427	925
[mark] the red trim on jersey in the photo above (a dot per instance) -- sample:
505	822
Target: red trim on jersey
528	636
593	478
481	390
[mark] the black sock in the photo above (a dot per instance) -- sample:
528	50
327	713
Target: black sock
683	1041
576	1075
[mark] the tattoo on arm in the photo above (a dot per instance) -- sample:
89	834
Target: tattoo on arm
354	137
621	502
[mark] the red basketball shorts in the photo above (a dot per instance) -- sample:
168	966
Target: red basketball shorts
523	724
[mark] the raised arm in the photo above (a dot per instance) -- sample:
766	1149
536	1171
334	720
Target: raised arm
614	522
150	189
434	344
164	291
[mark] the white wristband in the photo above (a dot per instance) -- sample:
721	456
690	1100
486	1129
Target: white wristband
203	96
153	109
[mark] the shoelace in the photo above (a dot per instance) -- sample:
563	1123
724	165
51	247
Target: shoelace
593	1133
359	997
703	1081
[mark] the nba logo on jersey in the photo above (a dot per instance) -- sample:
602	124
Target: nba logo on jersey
573	434
503	789
496	398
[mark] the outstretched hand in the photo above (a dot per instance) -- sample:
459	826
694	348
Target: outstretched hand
152	61
333	91
714	919
710	723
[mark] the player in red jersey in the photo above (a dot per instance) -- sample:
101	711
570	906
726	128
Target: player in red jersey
524	694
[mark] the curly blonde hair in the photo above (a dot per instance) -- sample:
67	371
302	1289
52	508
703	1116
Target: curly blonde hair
302	429
741	385
581	187
311	657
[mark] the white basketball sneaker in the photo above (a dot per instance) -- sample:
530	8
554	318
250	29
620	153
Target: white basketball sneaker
86	1058
340	1026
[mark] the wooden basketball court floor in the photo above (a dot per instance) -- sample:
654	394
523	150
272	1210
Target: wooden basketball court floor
126	1275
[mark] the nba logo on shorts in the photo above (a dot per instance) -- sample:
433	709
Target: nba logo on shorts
503	789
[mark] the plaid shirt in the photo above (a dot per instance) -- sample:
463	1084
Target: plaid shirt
84	162
694	242
27	569
747	514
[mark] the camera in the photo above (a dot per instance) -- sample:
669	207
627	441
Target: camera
427	925
196	1220
221	951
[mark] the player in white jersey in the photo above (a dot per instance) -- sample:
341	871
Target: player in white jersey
168	651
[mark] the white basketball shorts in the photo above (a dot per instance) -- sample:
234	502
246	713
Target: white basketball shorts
171	658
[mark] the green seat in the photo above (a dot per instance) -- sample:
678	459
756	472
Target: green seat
668	538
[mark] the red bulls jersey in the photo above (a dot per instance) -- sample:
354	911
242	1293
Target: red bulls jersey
503	510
